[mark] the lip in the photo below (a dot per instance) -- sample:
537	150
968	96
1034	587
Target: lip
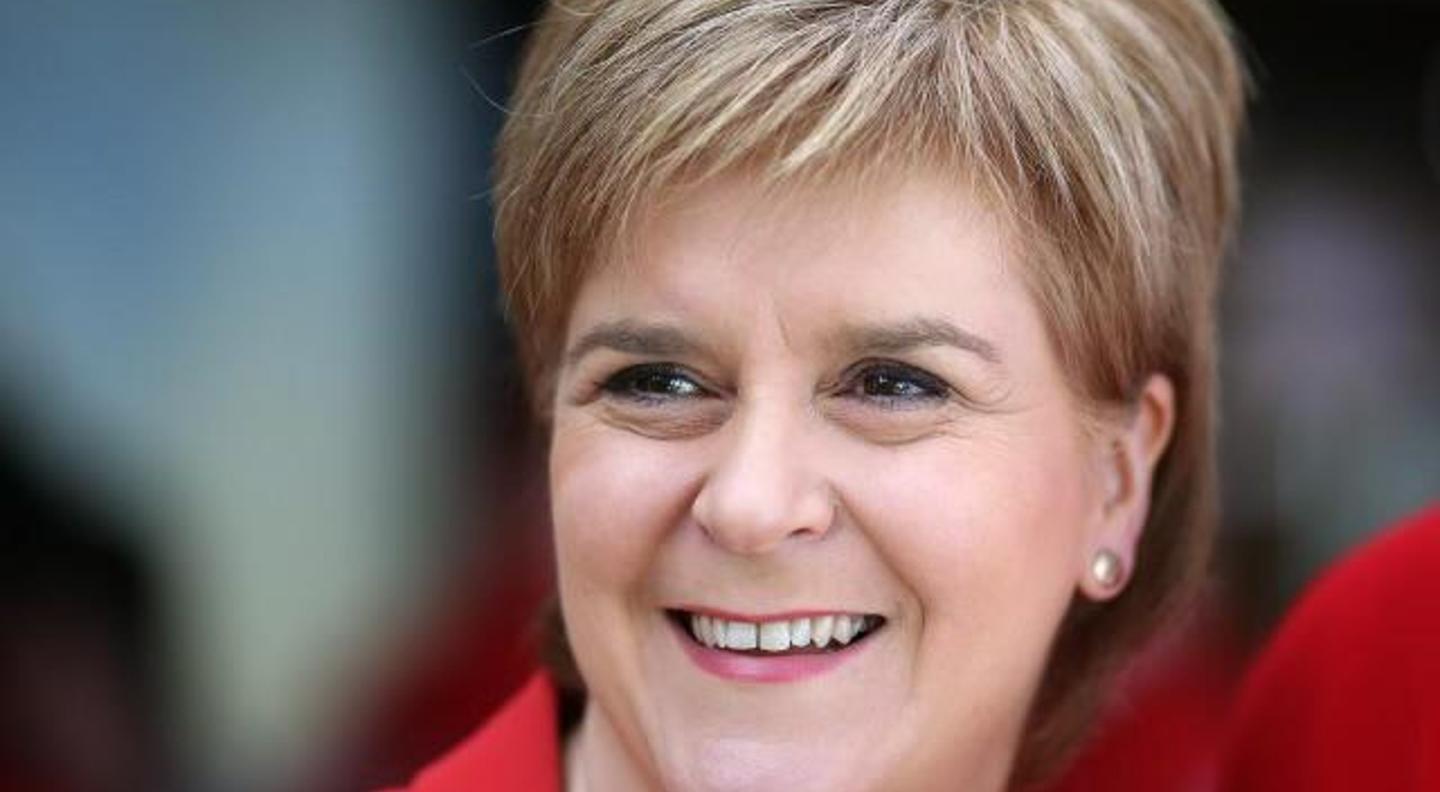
735	667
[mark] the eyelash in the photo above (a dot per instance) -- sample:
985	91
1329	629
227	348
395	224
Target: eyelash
920	387
625	384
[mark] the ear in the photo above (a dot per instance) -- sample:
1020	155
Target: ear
1130	448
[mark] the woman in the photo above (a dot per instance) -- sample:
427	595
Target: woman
874	343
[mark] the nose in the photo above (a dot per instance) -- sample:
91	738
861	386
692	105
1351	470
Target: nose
765	486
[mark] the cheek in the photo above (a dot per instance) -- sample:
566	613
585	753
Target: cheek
984	528
614	499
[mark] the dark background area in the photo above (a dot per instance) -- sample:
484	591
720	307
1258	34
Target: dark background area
272	512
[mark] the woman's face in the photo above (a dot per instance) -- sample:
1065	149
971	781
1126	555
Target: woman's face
788	413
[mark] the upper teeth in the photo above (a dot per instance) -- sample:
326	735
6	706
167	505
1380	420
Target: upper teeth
778	636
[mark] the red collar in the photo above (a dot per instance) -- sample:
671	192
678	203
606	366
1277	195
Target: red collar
518	749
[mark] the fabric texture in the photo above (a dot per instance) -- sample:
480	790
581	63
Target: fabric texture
1347	694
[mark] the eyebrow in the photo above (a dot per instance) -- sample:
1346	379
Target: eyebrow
892	338
633	338
870	338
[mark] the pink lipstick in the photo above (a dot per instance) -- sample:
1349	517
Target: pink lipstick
773	648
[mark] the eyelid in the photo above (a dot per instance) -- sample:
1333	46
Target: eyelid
612	384
618	383
929	380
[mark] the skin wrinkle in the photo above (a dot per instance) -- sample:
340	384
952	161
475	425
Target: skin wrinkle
744	510
853	341
1116	181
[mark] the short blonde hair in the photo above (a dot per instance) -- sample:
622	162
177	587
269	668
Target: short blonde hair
1104	130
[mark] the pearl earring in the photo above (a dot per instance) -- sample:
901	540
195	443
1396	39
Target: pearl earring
1106	569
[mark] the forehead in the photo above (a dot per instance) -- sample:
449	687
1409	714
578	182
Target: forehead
814	256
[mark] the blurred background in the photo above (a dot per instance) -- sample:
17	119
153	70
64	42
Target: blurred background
273	517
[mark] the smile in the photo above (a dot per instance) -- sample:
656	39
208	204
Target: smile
783	635
779	648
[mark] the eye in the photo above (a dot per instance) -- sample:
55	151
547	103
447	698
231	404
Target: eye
653	383
895	386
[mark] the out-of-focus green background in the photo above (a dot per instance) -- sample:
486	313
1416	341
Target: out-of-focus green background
264	446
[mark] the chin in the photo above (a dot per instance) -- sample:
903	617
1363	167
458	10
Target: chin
741	764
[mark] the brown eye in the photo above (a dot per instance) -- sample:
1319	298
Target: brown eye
652	383
896	386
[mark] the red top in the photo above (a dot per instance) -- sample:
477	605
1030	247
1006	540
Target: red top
1347	695
517	750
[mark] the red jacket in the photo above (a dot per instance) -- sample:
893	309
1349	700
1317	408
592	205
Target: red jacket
1347	695
518	750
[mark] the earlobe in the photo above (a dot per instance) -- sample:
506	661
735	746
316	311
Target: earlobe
1130	458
